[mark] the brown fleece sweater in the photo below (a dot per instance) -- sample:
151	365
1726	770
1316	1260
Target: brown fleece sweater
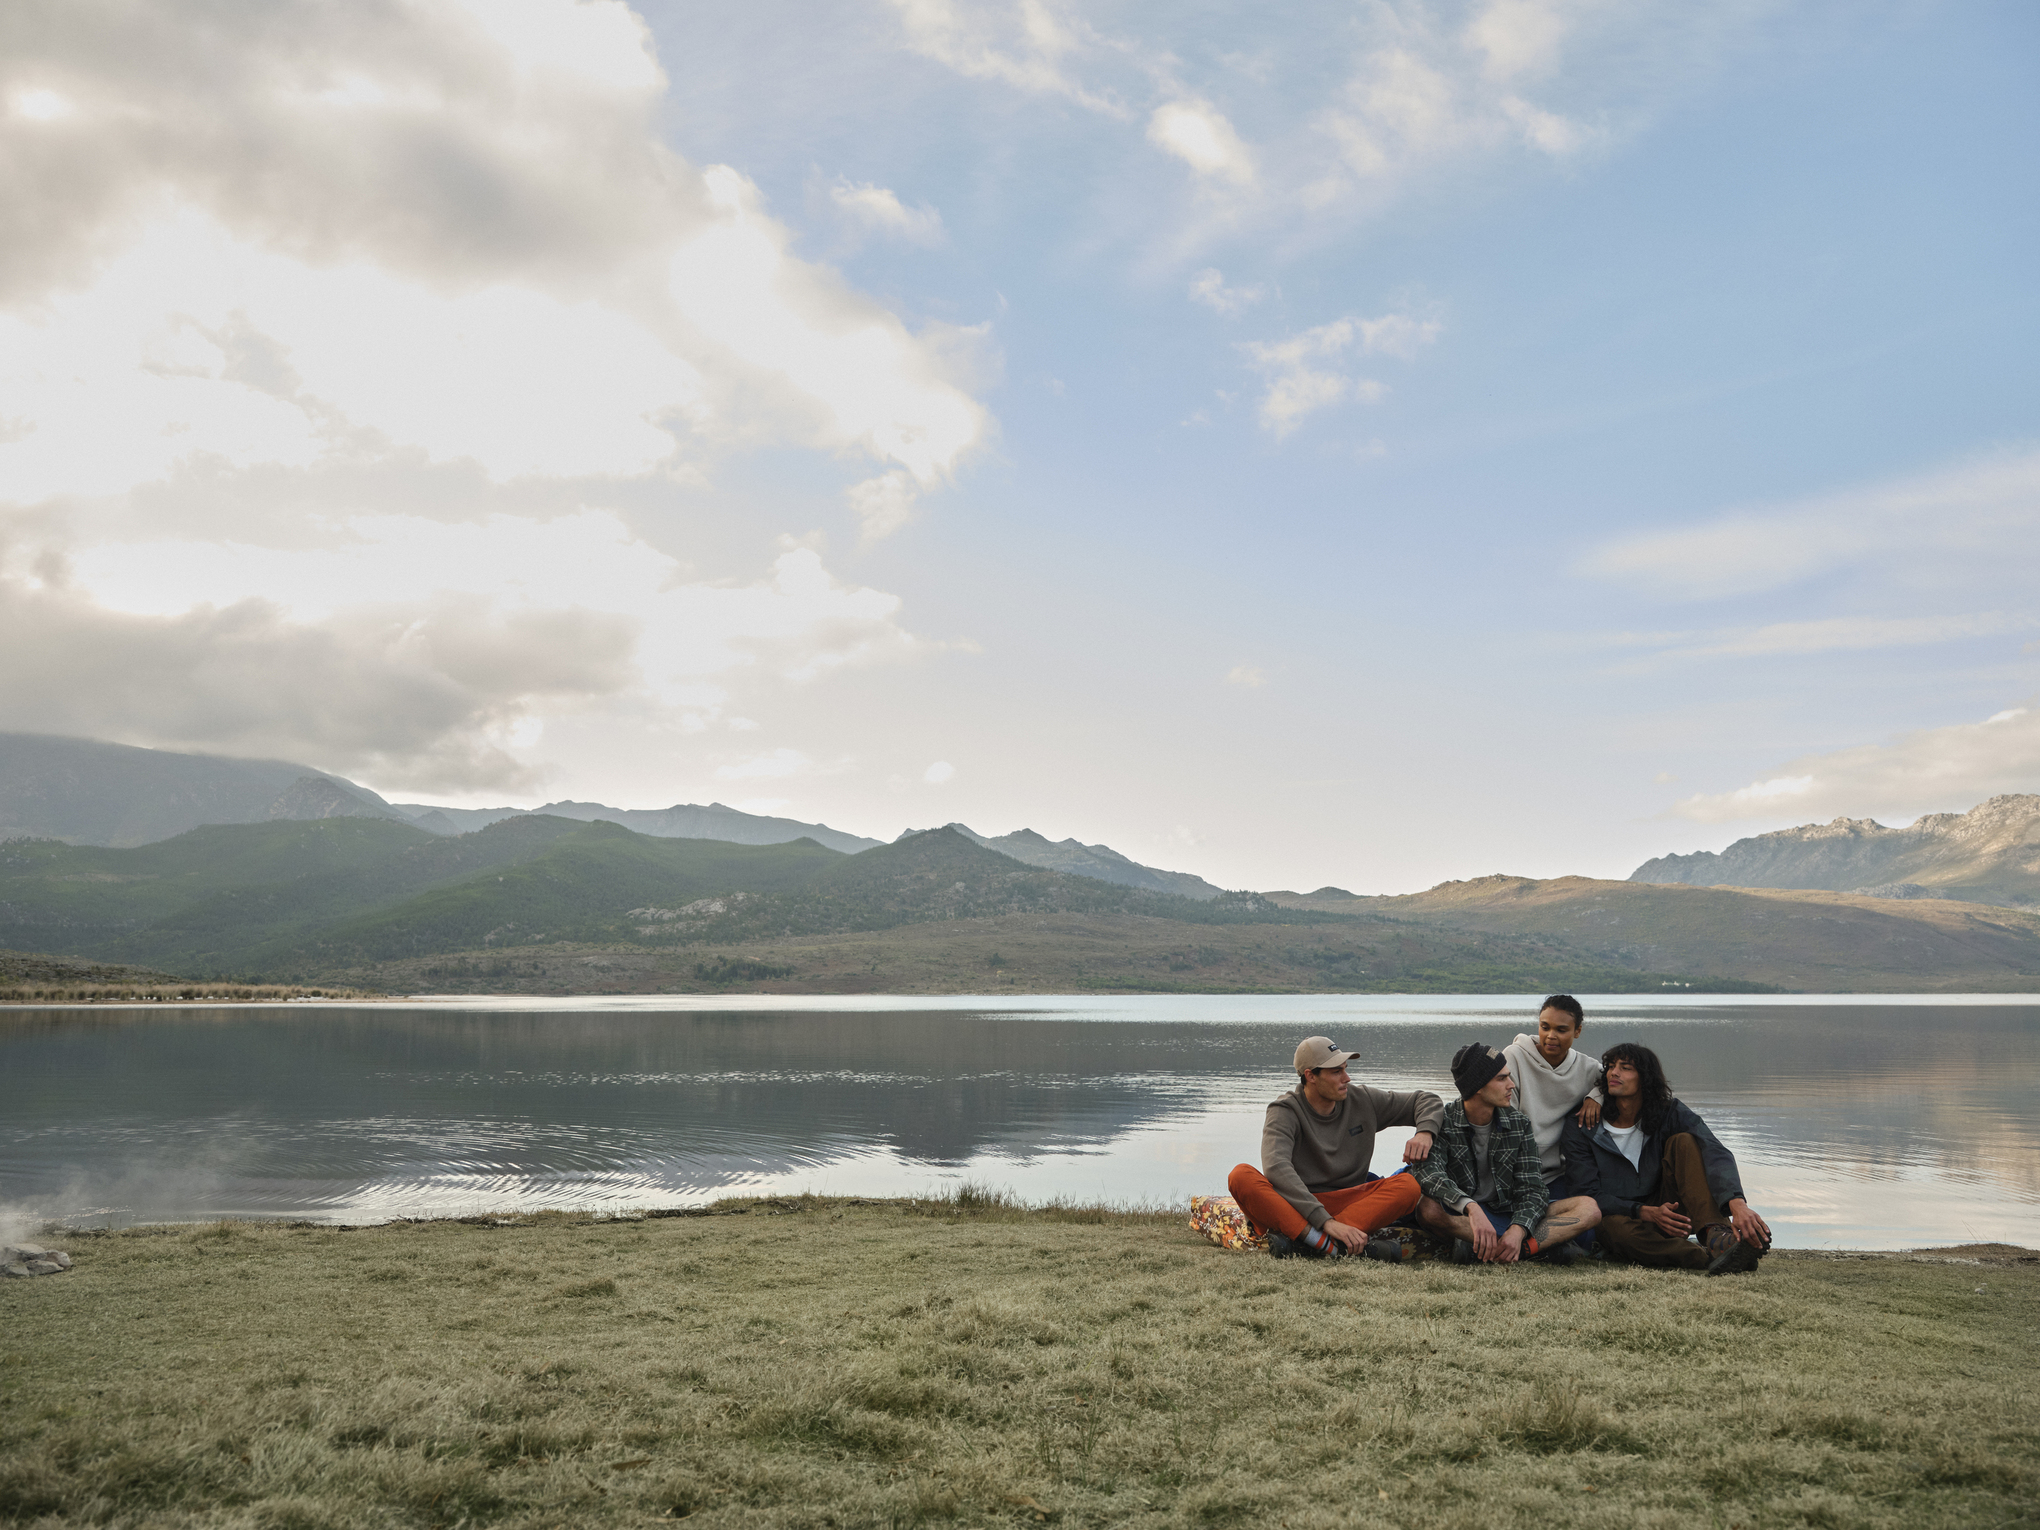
1302	1151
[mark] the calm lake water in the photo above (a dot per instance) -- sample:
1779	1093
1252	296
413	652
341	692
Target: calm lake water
1858	1123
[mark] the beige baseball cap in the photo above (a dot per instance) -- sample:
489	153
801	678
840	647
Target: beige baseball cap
1319	1052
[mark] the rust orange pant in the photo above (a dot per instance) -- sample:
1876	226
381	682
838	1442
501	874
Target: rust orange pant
1369	1207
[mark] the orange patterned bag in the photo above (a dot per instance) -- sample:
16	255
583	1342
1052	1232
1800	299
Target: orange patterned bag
1220	1219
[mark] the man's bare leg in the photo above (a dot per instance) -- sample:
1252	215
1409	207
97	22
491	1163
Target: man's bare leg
1446	1224
1485	1244
1565	1220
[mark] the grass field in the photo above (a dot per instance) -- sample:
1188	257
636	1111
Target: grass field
840	1363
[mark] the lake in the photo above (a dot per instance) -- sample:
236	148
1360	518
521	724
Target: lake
1858	1122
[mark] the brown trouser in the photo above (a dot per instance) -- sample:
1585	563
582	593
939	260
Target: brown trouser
1683	1179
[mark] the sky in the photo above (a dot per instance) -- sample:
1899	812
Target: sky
1362	444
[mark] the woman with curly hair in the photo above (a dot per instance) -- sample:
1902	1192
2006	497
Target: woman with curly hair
1660	1176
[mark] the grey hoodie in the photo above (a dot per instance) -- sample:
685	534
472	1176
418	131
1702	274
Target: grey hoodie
1550	1096
1302	1151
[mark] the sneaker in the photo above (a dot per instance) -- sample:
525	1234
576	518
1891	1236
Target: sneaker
1732	1256
1462	1251
1566	1253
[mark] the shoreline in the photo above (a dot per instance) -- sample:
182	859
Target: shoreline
1010	1000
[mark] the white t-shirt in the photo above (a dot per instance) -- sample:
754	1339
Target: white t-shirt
1630	1140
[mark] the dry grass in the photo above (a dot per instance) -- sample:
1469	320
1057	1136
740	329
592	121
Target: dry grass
839	1363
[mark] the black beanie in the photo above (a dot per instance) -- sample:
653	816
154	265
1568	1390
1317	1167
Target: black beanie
1473	1065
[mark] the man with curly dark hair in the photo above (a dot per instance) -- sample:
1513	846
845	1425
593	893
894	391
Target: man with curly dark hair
1660	1176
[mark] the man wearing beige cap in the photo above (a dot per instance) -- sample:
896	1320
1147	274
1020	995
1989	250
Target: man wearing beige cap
1313	1195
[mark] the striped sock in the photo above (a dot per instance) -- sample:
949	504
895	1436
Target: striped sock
1316	1238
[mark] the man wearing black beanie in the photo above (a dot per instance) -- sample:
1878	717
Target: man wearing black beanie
1483	1186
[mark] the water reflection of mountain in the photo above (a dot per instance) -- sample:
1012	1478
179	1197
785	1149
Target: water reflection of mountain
688	1101
941	1087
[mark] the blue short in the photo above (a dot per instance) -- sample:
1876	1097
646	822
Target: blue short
1562	1189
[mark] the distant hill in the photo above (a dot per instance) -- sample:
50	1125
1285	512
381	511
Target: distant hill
1101	862
85	792
602	883
1991	854
602	906
264	898
681	821
89	793
1808	940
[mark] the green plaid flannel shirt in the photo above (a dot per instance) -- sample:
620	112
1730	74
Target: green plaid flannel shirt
1512	1154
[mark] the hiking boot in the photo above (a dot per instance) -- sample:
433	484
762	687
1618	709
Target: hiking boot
1730	1254
1295	1248
1387	1250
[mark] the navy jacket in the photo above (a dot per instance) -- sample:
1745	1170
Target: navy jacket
1596	1166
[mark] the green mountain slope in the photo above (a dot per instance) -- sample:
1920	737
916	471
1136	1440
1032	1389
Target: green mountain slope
940	876
249	898
582	886
81	899
292	901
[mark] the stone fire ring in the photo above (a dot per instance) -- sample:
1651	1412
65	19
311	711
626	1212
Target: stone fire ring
22	1259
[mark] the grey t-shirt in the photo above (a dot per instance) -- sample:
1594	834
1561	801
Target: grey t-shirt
1630	1140
1484	1174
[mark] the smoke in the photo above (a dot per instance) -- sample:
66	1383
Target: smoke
18	1224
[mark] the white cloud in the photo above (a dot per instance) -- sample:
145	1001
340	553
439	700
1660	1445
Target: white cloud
777	765
193	345
1518	37
1350	108
429	696
1421	97
1208	287
1843	634
797	623
470	628
883	504
1197	133
1986	508
1304	373
319	338
1948	769
939	773
869	382
879	210
41	106
1246	674
1546	131
352	232
1030	45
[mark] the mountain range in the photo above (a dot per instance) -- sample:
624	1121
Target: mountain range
297	874
86	792
541	903
1101	862
1990	855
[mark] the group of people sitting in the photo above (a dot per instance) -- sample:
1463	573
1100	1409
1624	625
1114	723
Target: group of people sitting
1545	1151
